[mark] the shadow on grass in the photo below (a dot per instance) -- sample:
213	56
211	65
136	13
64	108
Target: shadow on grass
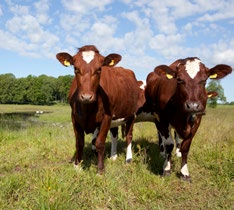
144	152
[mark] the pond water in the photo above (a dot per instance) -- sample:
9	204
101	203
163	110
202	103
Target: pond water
18	120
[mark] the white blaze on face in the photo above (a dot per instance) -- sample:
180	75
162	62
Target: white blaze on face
192	67
88	56
143	85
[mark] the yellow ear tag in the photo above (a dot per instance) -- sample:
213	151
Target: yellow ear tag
169	76
66	63
213	76
112	63
209	96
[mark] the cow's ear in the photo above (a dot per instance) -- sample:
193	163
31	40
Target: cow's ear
219	71
165	71
211	94
65	59
112	59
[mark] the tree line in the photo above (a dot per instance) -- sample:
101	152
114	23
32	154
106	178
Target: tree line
37	90
47	90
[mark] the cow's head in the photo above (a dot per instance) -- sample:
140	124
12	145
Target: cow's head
191	75
87	67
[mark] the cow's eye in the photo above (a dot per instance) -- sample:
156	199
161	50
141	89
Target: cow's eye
97	71
202	82
180	81
77	71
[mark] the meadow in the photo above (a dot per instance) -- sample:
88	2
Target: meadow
35	172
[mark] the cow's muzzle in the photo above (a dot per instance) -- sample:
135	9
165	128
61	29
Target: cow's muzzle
87	98
193	107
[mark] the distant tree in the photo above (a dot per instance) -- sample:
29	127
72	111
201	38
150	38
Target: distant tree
214	85
7	82
63	86
41	90
19	91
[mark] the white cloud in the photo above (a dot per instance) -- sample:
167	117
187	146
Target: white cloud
19	9
1	12
84	6
217	10
164	29
223	52
168	45
42	7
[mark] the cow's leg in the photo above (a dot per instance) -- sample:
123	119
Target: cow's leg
129	129
123	130
94	137
161	146
177	139
100	142
79	135
114	142
168	143
184	172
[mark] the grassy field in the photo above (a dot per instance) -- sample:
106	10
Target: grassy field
35	173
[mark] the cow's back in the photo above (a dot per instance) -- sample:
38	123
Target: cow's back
122	91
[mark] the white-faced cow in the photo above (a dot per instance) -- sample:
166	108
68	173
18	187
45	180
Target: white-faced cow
177	97
100	93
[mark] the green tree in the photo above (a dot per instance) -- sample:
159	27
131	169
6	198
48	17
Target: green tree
63	86
214	85
43	90
7	82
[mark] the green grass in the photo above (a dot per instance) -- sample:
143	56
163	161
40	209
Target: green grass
35	173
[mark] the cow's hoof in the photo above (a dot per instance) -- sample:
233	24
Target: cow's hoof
166	173
78	167
185	178
114	157
101	171
129	160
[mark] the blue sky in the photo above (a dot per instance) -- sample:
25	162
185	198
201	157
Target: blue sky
146	33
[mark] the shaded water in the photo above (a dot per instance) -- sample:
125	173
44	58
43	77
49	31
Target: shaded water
18	120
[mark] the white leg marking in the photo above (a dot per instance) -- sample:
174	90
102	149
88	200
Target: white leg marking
167	165
178	153
114	142
129	152
177	139
95	133
184	170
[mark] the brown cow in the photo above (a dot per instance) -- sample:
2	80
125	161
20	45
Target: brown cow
114	129
177	97
100	93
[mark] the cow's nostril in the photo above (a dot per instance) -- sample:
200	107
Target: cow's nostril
187	105
193	106
86	97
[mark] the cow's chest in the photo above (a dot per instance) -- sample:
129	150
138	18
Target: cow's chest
88	116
